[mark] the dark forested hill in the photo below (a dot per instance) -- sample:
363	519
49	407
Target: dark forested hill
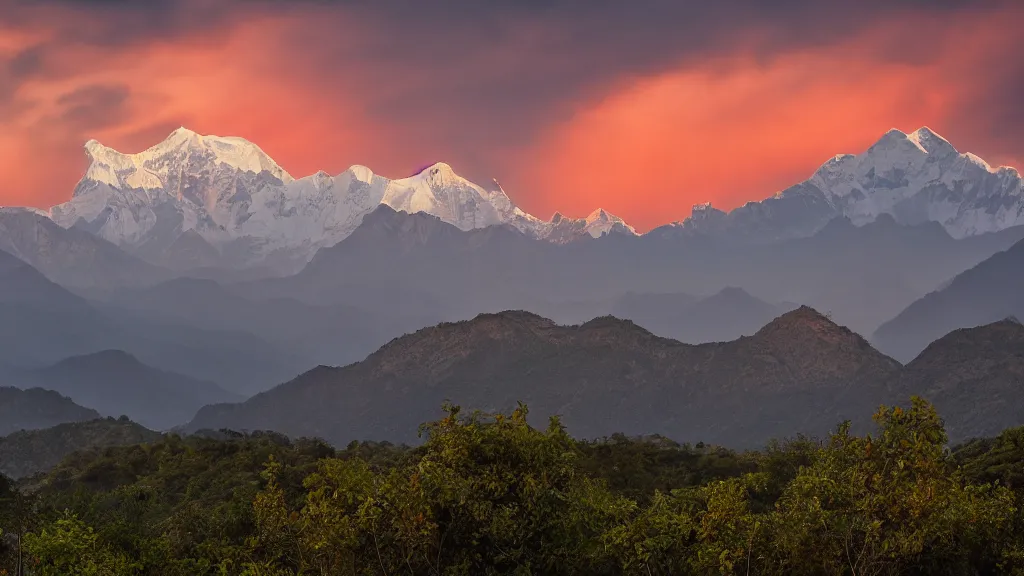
32	451
988	292
115	383
604	376
973	376
37	408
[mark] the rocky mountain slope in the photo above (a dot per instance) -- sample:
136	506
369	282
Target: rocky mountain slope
399	263
37	408
115	383
603	376
801	373
917	177
71	257
245	210
974	376
29	452
320	334
42	323
986	293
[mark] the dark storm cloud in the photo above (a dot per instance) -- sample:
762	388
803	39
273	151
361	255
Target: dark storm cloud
562	43
499	85
996	108
25	63
122	22
505	69
609	37
94	107
22	64
501	69
112	24
14	70
654	29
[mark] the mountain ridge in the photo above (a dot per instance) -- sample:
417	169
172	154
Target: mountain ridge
974	373
243	203
72	257
254	212
36	408
29	452
417	262
42	323
913	177
116	383
987	292
580	372
799	374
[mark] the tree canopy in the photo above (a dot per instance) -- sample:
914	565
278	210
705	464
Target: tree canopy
491	494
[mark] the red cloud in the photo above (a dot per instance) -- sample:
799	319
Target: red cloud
645	144
731	130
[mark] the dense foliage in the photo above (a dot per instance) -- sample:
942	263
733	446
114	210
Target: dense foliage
489	494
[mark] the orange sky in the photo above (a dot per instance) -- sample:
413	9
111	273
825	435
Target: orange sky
725	125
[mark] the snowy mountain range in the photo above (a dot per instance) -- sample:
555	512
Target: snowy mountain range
211	196
916	178
196	201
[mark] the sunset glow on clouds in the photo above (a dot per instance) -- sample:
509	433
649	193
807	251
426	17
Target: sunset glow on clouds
568	113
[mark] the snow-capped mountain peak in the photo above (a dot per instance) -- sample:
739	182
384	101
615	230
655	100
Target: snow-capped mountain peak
229	192
438	190
183	148
703	209
437	175
916	177
600	222
185	182
930	142
113	168
562	229
360	173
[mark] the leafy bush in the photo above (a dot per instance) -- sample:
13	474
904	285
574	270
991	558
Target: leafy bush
489	494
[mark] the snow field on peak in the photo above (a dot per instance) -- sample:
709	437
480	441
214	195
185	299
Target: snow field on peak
915	177
227	189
